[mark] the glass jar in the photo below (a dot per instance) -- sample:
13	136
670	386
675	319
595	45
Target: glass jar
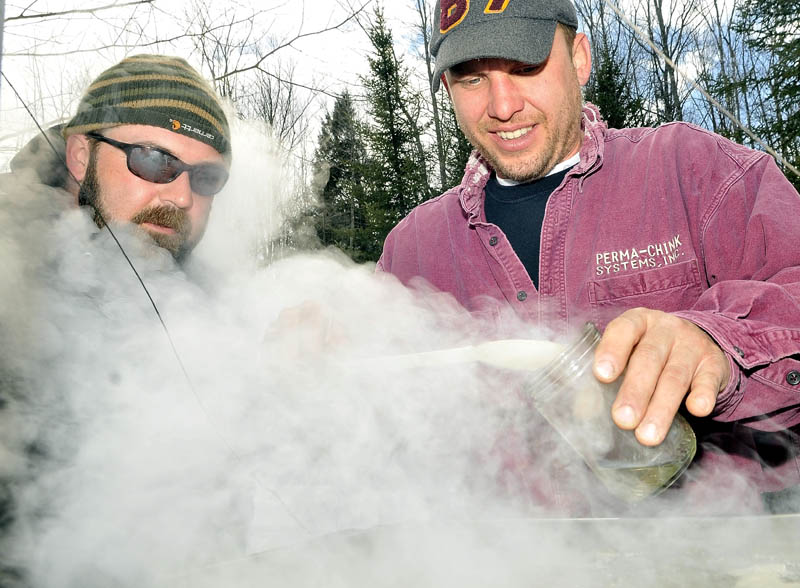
578	406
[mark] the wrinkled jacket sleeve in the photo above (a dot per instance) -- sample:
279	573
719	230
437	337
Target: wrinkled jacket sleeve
406	266
385	261
751	247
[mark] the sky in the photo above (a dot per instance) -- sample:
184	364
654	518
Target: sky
50	60
72	49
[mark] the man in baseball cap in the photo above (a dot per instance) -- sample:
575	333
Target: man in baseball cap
668	238
474	45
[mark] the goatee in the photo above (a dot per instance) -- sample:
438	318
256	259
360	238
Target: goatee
174	218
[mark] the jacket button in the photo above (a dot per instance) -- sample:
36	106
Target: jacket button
522	295
739	351
493	241
793	378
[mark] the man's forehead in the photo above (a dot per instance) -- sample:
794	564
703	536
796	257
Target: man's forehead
486	63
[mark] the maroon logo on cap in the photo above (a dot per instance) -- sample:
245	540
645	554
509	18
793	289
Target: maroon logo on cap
495	6
452	13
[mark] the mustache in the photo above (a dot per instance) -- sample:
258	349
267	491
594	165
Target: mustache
166	216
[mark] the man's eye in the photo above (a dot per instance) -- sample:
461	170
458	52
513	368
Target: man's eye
528	69
471	81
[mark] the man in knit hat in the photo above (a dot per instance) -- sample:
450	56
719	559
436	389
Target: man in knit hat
149	145
672	239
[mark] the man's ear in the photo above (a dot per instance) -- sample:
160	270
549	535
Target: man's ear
582	58
78	153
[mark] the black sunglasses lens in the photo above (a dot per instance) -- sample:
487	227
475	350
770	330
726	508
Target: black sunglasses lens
159	167
153	165
207	180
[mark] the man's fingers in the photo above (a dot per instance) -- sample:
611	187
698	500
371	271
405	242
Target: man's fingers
673	382
675	379
645	348
645	365
711	377
664	358
619	338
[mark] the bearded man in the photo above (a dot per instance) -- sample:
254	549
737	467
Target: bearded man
139	126
148	145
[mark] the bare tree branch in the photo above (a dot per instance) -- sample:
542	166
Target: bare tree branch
297	84
289	43
166	41
23	16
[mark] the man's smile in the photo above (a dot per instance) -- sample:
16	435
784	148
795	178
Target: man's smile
508	135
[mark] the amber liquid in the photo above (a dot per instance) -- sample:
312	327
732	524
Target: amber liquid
635	482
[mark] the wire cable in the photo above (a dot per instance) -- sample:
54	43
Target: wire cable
223	439
111	232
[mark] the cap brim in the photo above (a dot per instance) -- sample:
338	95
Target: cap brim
498	39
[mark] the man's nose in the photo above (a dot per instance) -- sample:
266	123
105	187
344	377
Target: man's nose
505	98
178	192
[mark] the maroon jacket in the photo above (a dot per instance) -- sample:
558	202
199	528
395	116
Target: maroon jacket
674	218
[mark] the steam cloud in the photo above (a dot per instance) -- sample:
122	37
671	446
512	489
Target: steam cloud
280	460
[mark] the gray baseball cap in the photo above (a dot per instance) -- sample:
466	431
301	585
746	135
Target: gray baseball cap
520	30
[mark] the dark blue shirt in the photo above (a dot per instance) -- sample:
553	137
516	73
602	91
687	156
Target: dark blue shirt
519	211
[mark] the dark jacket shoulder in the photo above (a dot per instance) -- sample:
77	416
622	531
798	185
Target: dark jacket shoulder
44	157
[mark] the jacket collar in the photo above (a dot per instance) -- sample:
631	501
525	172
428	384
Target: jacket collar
478	170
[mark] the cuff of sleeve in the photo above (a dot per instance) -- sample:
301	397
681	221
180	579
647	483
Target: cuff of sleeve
729	397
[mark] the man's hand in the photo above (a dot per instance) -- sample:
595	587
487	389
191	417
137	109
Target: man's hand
666	357
307	331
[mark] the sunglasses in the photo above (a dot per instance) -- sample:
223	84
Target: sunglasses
161	167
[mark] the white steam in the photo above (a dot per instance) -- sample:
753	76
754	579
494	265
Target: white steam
123	470
285	440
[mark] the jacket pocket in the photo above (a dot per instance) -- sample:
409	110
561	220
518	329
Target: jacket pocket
670	288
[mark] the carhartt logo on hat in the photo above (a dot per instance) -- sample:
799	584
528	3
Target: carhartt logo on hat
521	30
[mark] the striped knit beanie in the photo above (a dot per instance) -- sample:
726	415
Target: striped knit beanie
154	90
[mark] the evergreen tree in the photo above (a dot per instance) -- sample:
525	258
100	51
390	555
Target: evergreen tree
396	176
609	90
457	147
774	27
340	220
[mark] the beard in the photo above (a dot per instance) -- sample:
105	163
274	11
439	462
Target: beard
563	134
177	219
